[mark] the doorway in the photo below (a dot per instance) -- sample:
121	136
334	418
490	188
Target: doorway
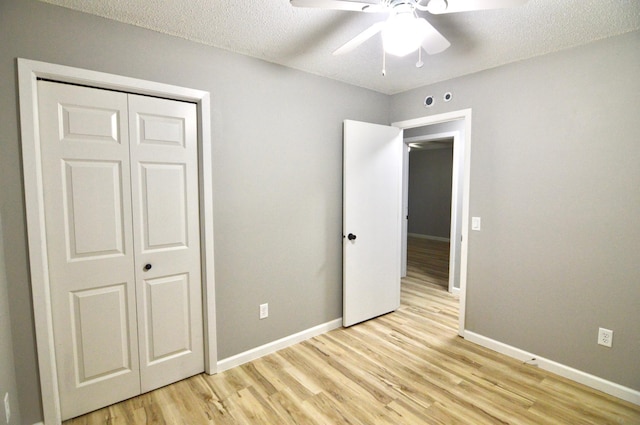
429	211
436	210
457	125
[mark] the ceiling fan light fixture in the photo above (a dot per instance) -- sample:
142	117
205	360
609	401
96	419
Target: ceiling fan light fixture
437	6
402	34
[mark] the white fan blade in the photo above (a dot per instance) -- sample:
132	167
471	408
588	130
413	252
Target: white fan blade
454	6
355	6
360	38
433	42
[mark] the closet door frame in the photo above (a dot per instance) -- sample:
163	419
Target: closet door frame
29	72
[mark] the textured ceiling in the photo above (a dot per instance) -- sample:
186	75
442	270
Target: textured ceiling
304	38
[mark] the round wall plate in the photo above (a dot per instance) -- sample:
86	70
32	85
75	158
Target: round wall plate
429	101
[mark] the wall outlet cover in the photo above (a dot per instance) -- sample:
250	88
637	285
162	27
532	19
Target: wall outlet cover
605	337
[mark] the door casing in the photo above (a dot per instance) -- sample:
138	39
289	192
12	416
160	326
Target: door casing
465	115
28	73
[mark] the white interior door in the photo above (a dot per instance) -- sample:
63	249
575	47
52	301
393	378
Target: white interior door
164	166
372	180
85	163
120	184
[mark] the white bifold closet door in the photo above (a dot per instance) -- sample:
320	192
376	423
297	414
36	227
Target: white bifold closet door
120	185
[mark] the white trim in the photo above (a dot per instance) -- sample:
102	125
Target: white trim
205	166
28	73
595	382
464	114
455	247
431	138
433	119
272	347
433	238
405	210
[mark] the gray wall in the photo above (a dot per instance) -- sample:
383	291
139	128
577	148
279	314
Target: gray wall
555	176
7	374
277	161
430	191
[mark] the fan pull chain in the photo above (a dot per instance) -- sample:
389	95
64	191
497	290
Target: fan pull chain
419	64
384	63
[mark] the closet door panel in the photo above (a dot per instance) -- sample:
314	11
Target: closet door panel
164	206
164	166
101	346
169	333
86	187
92	192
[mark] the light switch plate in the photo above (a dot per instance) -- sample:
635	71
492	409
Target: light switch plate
264	311
475	223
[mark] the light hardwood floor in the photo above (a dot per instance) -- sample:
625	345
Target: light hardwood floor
428	261
407	367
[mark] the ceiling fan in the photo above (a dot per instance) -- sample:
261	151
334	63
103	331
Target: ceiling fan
404	32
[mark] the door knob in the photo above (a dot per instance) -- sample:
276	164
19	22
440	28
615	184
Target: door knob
147	267
351	237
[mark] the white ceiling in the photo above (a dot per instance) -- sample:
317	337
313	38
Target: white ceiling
304	38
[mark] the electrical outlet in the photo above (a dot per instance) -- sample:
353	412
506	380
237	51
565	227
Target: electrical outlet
605	337
7	407
264	311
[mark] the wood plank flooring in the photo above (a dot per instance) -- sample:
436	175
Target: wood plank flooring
428	261
407	367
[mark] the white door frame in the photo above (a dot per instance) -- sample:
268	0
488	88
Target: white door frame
464	114
454	231
28	73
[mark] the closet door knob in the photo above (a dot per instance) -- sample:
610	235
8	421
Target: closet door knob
351	237
147	267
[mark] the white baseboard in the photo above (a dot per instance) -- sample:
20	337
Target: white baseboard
433	238
455	291
272	347
584	378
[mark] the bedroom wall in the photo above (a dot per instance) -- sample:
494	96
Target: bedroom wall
430	175
554	177
277	165
8	383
